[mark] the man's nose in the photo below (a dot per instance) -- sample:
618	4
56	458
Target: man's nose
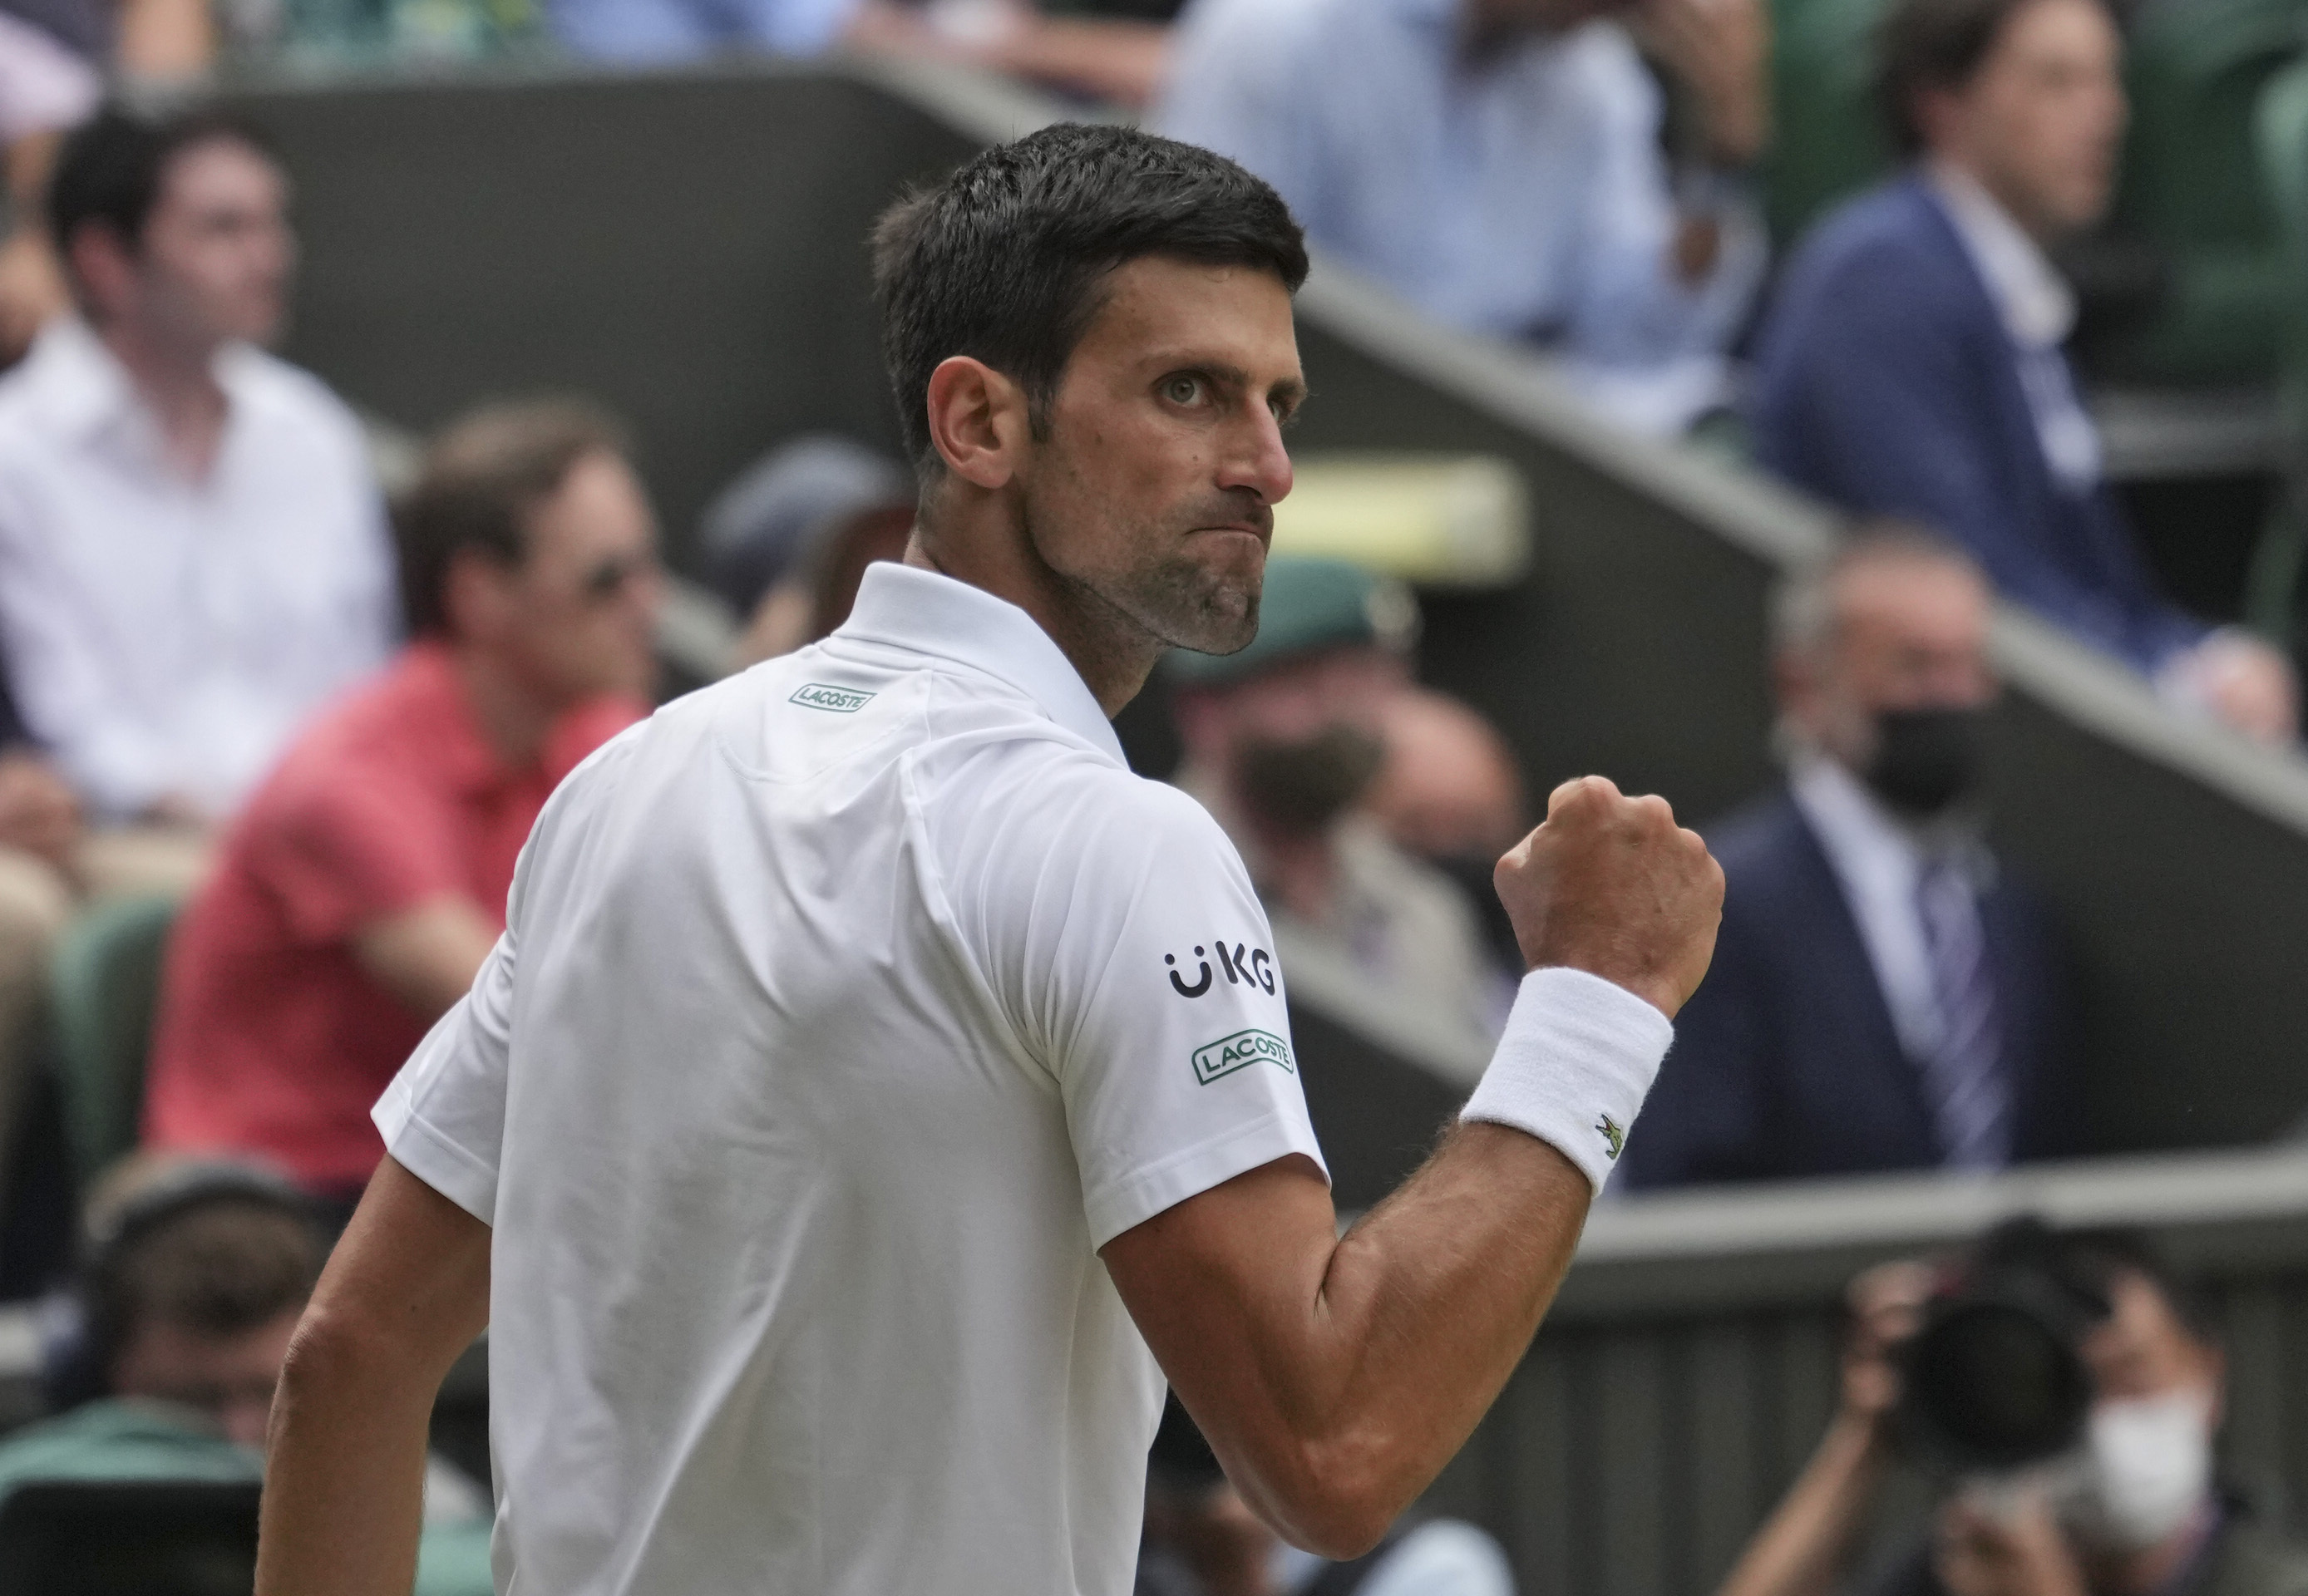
1257	459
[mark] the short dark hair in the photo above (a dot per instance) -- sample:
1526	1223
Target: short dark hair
480	479
110	168
1003	260
1923	45
2105	1254
216	1264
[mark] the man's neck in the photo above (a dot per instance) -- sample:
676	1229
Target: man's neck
178	384
514	720
1953	168
982	543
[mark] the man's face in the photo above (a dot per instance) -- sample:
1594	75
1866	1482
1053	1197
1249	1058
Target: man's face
217	255
1297	743
2143	1349
230	1377
2040	122
1906	634
1151	493
577	616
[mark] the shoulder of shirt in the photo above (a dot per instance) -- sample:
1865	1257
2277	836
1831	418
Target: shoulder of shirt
356	739
1891	238
1604	48
292	393
1063	790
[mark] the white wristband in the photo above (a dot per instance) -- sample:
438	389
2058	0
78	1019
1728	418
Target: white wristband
1576	1062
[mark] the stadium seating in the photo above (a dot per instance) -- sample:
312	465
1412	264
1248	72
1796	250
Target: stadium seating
1827	137
2192	185
2272	597
105	991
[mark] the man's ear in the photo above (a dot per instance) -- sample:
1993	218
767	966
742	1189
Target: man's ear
101	267
474	593
978	421
1934	113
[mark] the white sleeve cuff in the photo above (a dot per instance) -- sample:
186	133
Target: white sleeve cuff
1576	1062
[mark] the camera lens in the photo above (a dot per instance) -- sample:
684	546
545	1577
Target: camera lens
1995	1384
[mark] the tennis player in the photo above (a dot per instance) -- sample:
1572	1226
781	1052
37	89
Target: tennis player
880	1090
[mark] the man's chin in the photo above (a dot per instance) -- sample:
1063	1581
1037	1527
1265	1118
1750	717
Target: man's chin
1219	630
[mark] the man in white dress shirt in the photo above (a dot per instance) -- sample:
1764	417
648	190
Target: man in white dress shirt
1498	164
192	550
879	1089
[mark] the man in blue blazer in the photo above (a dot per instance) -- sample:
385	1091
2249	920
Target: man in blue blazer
1912	364
1884	995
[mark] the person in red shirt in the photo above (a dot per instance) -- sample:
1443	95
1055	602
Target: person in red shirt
361	887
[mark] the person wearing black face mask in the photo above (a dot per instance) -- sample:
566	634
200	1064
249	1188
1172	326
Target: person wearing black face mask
1885	996
1284	743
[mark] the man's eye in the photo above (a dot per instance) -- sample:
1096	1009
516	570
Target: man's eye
1182	390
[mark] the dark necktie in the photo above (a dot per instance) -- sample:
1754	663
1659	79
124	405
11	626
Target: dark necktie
1963	1076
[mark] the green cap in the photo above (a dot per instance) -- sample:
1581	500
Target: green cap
1309	603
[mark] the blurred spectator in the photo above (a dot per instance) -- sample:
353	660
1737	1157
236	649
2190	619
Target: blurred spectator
1103	58
1884	996
366	881
1498	163
46	87
191	549
1202	1540
1913	363
2140	1511
1449	792
1281	742
197	1275
763	534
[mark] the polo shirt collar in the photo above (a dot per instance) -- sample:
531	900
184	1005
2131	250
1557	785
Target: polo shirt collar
905	606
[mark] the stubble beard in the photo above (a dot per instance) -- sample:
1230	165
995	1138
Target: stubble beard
1172	600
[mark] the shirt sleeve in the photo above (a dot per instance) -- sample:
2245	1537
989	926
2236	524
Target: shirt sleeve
1119	933
60	687
442	1117
1630	308
341	856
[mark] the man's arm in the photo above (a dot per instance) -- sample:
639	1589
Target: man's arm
405	1292
1806	1547
1335	1376
428	954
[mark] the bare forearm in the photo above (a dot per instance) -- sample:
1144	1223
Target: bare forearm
1428	1305
1808	1541
1365	1360
405	1291
345	1475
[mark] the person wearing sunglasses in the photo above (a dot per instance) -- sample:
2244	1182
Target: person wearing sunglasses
366	882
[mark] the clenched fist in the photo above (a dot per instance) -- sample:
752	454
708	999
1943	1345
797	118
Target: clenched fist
1611	885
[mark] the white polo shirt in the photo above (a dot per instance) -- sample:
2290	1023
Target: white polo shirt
847	1009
